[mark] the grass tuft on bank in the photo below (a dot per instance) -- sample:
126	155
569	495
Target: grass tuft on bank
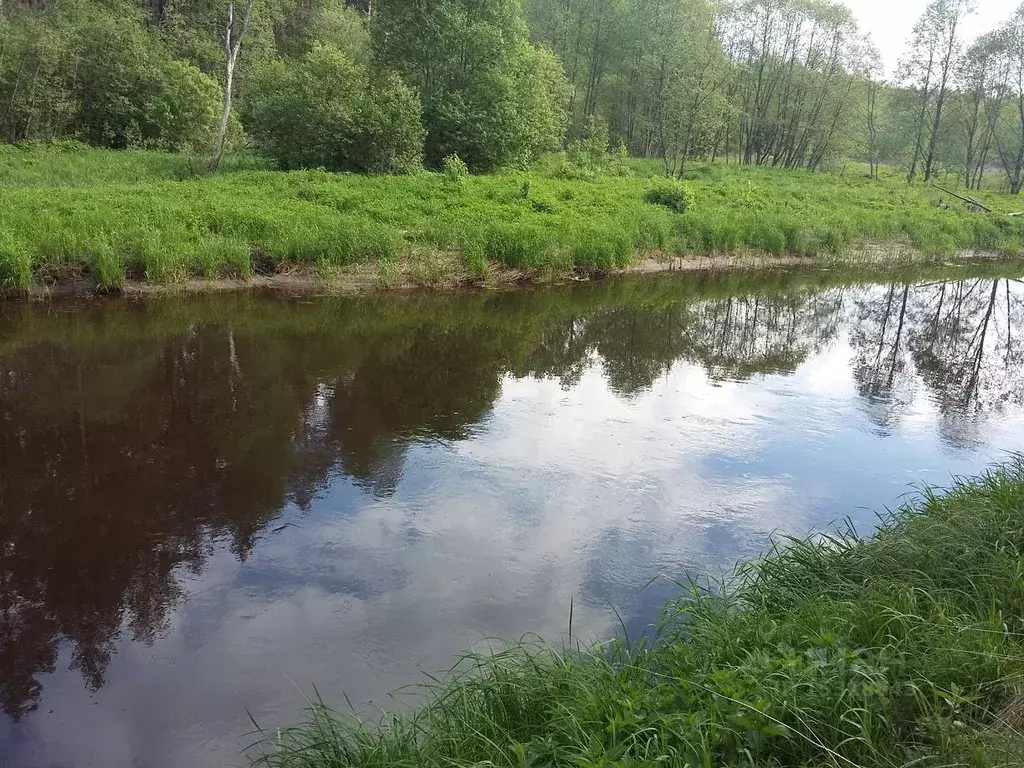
73	212
905	648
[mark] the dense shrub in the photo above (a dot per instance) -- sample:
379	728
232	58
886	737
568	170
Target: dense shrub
41	105
487	93
107	80
181	112
455	172
390	135
114	80
325	110
669	194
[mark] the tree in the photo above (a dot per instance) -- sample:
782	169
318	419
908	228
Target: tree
232	45
797	64
324	111
874	85
103	77
691	104
35	93
181	114
975	80
928	69
487	93
1005	103
115	73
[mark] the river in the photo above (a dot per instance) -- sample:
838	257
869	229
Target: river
210	504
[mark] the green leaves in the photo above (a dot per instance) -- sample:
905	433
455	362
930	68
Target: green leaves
488	95
325	110
671	195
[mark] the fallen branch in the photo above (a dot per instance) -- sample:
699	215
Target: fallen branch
961	197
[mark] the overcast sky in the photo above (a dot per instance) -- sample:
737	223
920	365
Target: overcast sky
890	21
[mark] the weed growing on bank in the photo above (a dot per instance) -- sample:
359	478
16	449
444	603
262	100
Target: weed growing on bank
144	215
906	648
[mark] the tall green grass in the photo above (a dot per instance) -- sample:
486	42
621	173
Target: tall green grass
161	217
903	649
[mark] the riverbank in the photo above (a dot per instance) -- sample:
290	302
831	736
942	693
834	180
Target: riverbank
441	272
85	220
903	648
445	272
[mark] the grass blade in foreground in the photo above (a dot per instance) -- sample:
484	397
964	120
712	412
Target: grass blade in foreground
904	648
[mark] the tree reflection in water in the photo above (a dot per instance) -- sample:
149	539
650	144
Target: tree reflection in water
955	339
136	437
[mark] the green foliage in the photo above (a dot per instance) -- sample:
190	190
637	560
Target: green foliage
169	219
298	27
672	195
589	157
652	79
601	248
487	94
181	113
15	264
114	79
39	103
455	172
521	246
899	649
390	134
324	111
220	256
104	78
106	265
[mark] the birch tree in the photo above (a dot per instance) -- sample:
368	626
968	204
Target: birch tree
233	34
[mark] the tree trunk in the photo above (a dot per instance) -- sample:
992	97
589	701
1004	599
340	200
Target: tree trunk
947	64
232	44
919	140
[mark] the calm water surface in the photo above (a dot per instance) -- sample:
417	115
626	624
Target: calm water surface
208	505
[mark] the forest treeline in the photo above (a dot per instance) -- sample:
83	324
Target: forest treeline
391	85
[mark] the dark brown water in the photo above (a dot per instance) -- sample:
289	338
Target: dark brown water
209	505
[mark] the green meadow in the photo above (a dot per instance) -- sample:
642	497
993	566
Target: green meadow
68	212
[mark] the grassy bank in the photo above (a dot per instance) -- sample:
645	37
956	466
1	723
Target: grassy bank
108	215
906	648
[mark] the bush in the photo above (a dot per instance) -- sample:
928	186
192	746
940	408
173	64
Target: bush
115	79
389	132
322	111
498	101
455	172
670	194
106	77
590	152
588	157
182	110
45	107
